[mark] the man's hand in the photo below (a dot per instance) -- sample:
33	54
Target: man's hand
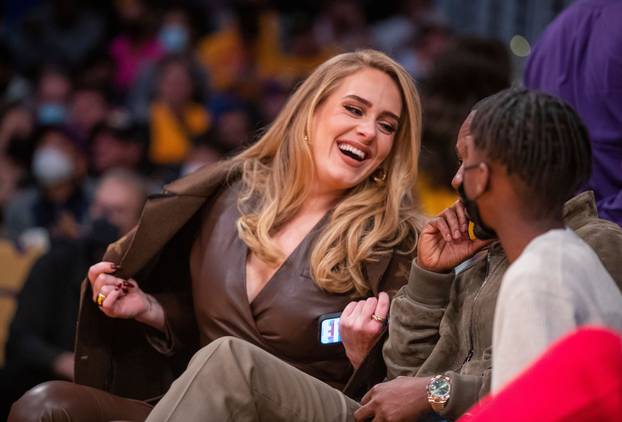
402	399
444	242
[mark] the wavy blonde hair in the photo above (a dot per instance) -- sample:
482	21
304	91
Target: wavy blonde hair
370	221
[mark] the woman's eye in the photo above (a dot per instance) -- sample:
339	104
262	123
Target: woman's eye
354	110
387	127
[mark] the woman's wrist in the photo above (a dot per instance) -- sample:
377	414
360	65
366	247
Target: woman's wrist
153	315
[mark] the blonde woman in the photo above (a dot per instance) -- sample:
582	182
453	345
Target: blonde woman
318	214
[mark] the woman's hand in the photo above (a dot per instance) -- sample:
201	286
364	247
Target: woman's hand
444	242
360	325
119	298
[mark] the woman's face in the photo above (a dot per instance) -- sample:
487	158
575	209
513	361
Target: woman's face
352	131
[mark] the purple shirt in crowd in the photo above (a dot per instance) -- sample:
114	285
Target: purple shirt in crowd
579	59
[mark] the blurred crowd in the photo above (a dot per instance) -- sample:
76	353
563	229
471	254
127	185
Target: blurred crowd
161	88
101	103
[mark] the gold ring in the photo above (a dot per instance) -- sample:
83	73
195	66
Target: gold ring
377	318
100	299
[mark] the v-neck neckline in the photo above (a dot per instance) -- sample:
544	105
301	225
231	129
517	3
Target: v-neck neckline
286	262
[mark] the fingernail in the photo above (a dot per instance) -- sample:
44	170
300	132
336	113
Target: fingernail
456	234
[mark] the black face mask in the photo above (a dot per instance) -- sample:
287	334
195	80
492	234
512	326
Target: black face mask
481	230
101	234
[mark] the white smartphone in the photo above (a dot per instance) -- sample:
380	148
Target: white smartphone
329	328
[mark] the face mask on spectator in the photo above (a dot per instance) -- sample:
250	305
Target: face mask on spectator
174	38
51	114
51	166
480	229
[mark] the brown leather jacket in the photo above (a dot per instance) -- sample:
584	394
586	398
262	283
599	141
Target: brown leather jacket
114	354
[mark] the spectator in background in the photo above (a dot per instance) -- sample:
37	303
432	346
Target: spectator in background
116	143
229	54
396	33
52	96
258	44
469	70
177	35
59	31
342	25
16	148
419	55
175	119
234	119
137	44
89	106
99	72
578	60
272	99
60	199
41	340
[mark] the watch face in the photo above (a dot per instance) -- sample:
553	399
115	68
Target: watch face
439	387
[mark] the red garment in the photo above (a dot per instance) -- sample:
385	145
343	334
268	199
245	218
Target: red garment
578	379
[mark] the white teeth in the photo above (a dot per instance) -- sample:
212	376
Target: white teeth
350	148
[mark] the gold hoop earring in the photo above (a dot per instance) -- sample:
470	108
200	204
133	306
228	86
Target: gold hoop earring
380	176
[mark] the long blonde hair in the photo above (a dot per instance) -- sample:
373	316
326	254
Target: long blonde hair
370	221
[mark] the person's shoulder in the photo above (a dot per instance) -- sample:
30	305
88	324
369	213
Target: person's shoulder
598	232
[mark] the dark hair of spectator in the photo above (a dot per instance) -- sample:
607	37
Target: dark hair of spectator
539	139
470	69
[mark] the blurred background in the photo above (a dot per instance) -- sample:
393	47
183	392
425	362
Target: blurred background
102	102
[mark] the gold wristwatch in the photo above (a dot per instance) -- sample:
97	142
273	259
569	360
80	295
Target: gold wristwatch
439	390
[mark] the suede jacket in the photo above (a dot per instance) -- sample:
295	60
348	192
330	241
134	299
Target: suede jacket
443	323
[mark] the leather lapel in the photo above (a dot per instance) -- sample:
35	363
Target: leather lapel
375	270
164	214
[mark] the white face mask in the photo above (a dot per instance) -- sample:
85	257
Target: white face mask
51	166
174	38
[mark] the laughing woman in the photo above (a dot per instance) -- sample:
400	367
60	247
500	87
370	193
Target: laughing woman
318	213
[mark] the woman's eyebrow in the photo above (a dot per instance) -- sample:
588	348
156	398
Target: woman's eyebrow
368	103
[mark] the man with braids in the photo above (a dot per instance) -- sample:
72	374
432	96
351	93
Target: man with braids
441	324
555	282
525	154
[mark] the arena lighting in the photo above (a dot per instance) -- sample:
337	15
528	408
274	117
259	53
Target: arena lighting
520	46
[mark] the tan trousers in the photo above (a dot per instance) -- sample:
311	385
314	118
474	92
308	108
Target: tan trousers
232	380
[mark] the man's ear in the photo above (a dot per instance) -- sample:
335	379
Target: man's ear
482	180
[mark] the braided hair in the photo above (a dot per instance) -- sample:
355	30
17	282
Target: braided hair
539	139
